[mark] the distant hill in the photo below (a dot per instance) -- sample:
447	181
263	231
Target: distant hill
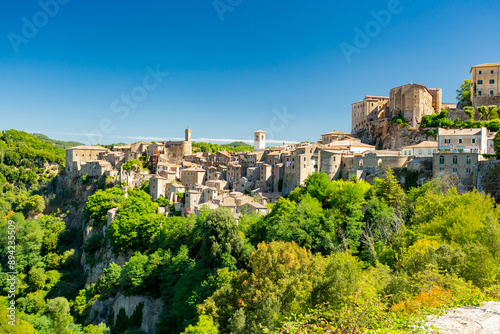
58	143
237	144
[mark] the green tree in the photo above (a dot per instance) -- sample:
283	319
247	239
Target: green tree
341	277
389	189
101	201
470	112
205	325
493	112
137	223
134	273
34	204
59	315
37	279
482	111
464	93
221	236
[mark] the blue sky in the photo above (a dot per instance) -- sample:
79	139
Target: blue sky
225	68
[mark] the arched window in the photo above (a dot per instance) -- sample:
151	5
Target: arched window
380	162
361	162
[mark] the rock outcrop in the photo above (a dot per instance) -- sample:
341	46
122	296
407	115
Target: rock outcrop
151	308
484	319
385	136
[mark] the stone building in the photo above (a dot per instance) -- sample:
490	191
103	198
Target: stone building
424	149
158	187
95	168
371	162
75	156
334	136
192	176
485	84
463	140
299	164
369	109
414	101
330	162
461	164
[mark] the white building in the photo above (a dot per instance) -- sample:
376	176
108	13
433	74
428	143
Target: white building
463	140
424	149
259	143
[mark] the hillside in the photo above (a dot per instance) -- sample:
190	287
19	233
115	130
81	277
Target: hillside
58	143
340	256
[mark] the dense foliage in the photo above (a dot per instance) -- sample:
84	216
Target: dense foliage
334	256
483	116
22	149
235	147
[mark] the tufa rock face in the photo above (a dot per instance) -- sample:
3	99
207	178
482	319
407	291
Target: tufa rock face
385	136
100	310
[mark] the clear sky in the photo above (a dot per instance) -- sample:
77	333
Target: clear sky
129	70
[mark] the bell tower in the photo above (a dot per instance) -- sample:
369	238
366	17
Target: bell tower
259	143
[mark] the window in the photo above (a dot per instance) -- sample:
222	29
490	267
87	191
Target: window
419	152
473	140
447	140
479	93
455	170
380	162
469	160
429	151
460	141
492	92
468	171
480	82
361	162
441	169
455	160
441	160
492	81
480	72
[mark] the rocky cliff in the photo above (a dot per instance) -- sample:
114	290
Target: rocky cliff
129	311
385	136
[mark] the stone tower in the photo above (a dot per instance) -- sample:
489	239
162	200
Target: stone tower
187	145
259	143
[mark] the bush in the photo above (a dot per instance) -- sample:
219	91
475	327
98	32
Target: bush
94	243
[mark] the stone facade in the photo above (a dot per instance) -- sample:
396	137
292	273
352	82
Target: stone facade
466	140
330	163
461	164
76	155
362	166
192	176
414	101
299	164
370	109
485	84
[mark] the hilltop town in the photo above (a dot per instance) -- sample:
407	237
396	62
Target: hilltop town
250	180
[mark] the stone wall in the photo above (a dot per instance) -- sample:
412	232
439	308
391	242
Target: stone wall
330	163
486	101
454	115
488	178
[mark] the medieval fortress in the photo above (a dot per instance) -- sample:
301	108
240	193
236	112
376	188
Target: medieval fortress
413	101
